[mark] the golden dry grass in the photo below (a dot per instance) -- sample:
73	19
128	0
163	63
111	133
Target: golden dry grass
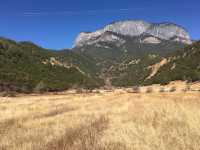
102	121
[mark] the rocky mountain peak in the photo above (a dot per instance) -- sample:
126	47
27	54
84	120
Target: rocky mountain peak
135	28
130	28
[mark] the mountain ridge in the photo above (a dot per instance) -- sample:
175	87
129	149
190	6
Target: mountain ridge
134	28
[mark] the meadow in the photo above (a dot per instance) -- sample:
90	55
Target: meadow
112	120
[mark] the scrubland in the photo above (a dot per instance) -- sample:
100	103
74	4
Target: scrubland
114	120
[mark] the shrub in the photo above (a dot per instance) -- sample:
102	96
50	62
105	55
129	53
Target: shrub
136	89
96	91
162	90
173	89
79	91
149	90
40	87
9	94
89	91
187	88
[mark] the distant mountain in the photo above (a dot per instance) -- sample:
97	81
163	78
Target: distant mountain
151	33
117	46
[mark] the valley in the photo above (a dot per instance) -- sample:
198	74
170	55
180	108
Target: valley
99	75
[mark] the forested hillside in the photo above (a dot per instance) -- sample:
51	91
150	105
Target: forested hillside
25	67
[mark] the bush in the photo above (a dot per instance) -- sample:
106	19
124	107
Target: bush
40	87
79	91
9	94
149	90
136	89
187	88
96	91
162	90
173	89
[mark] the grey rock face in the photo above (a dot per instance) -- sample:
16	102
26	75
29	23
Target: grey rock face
129	28
165	31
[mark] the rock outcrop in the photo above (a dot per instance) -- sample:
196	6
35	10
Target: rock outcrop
112	32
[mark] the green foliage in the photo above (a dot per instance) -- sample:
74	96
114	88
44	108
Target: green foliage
26	67
21	65
186	66
109	55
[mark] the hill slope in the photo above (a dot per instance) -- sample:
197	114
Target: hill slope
180	65
27	67
125	53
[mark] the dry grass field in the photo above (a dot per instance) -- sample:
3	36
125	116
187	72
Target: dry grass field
115	120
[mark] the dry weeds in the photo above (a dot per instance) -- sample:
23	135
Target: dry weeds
108	121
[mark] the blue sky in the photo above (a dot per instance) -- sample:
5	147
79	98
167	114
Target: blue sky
56	23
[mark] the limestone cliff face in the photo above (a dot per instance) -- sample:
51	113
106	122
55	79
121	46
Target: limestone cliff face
165	31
